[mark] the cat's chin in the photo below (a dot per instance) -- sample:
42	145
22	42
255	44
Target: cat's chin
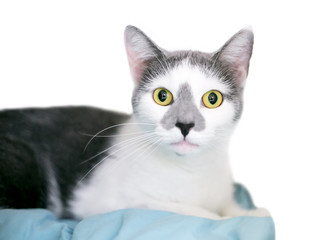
184	147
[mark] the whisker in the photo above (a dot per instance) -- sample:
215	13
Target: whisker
128	141
101	161
116	135
146	144
158	142
113	126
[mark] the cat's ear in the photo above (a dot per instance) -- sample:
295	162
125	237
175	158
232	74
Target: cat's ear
140	49
237	52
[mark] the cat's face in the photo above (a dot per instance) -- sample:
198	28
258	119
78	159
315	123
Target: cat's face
191	100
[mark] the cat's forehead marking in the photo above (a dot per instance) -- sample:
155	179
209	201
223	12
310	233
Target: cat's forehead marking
195	76
184	93
192	69
183	110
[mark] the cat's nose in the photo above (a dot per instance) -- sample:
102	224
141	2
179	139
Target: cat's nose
184	127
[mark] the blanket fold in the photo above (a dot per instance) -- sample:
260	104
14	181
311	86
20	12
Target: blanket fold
134	224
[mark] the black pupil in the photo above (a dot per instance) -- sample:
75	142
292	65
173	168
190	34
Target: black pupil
162	95
212	98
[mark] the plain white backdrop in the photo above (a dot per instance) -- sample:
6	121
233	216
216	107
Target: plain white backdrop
55	53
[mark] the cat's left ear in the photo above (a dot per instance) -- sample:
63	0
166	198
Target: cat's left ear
140	49
236	53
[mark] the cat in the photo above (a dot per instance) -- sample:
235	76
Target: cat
170	154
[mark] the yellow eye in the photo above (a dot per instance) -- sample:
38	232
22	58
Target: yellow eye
162	96
212	99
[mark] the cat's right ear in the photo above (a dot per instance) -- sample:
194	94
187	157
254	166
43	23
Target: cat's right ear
140	49
237	53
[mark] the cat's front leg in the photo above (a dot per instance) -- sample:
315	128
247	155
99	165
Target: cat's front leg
183	209
234	210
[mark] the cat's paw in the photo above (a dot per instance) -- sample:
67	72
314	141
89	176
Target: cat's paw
258	212
234	210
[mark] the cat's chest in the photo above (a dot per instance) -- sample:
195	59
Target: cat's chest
173	182
145	182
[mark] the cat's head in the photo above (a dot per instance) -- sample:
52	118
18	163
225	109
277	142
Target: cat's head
193	99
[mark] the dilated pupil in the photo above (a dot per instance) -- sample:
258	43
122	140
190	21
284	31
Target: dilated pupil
212	98
162	95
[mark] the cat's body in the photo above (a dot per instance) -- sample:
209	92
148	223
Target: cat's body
42	150
140	176
171	154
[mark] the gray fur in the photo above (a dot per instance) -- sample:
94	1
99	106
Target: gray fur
205	61
183	110
223	64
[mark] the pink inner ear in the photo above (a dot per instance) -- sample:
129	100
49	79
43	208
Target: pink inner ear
241	75
240	62
136	64
241	65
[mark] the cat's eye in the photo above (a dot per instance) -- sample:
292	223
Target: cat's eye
212	99
162	96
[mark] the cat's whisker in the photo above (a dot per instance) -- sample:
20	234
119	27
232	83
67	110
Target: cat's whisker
114	126
145	145
116	135
158	142
148	147
127	142
102	160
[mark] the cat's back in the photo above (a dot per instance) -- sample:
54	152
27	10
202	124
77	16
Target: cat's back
88	117
37	145
57	126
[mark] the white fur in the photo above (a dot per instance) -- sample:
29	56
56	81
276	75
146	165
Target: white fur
218	118
149	174
54	201
159	181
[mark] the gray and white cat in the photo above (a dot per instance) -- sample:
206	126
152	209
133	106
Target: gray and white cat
171	154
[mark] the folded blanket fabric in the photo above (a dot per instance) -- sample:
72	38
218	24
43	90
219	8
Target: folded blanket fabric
130	224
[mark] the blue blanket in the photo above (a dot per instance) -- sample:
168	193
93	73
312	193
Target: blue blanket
132	224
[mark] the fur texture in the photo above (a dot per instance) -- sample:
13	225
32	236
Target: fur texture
171	157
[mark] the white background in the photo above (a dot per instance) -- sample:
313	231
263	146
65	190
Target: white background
72	53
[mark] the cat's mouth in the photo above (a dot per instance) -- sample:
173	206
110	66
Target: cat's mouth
184	146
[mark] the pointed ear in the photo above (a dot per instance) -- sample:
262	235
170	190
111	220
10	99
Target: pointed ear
139	49
237	52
